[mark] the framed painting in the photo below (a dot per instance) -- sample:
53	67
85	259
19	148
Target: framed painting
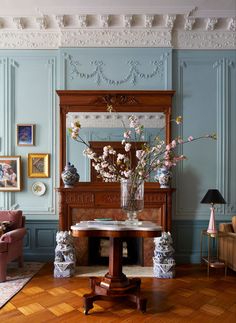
38	165
10	173
25	134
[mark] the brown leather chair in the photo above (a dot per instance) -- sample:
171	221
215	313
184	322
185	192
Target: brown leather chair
11	242
227	243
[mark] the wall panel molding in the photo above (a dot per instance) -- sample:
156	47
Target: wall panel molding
3	110
9	67
223	66
222	128
183	64
40	241
186	236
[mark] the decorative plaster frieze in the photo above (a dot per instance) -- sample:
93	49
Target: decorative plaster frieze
115	38
46	39
211	23
113	120
60	19
104	21
189	22
18	22
148	21
170	20
29	40
41	22
232	24
127	20
100	31
82	21
204	40
132	76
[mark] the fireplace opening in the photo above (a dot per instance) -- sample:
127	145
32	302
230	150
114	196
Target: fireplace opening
99	251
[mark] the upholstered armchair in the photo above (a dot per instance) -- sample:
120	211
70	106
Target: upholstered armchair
227	243
11	242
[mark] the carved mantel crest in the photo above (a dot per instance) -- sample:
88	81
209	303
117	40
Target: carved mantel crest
112	100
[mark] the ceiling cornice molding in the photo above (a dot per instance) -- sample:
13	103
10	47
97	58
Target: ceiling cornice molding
186	30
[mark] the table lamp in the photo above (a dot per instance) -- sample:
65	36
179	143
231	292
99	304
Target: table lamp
212	197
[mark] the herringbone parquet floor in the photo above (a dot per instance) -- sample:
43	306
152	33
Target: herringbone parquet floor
190	297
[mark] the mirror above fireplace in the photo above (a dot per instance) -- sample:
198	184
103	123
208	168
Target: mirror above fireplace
153	109
90	200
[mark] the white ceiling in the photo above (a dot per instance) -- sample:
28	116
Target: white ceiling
31	7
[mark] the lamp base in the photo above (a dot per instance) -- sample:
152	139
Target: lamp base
212	226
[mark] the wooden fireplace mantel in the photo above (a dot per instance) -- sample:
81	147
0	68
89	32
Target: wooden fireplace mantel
90	200
87	200
94	196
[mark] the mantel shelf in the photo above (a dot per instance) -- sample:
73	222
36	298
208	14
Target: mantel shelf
87	186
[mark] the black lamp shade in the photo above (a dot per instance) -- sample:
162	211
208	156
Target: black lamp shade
213	196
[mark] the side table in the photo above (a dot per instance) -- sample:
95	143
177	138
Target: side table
212	245
115	285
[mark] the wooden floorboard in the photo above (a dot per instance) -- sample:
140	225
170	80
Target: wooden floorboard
190	297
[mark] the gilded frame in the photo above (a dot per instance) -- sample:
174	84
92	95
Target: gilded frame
38	165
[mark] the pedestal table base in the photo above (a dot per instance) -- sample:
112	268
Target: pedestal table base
130	292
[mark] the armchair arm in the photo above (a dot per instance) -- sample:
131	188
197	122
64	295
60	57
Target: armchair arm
226	227
231	235
3	246
13	235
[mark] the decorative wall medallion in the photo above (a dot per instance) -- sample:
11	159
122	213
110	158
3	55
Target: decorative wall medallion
132	76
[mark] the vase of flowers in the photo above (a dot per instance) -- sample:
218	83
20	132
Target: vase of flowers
112	166
132	198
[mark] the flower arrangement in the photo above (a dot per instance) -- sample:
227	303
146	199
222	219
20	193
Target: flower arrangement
112	166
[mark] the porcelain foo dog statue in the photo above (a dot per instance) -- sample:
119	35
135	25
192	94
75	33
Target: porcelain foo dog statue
163	261
64	264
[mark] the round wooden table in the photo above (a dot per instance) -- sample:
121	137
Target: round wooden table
115	285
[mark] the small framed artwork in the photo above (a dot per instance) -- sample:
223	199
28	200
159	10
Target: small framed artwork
25	134
38	165
10	173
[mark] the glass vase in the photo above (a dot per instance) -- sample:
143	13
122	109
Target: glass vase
132	198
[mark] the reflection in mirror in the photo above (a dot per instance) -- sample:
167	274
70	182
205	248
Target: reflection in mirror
106	127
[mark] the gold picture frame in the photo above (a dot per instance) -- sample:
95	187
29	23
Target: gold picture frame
38	165
10	173
25	134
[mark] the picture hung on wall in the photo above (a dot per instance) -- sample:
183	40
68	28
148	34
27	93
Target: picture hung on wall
25	134
10	173
38	165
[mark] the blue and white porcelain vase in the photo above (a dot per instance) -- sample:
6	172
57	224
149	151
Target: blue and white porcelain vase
164	176
69	175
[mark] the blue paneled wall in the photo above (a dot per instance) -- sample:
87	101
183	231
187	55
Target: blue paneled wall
205	83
